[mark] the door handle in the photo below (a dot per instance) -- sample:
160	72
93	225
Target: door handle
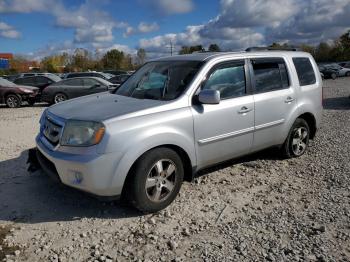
289	100
244	110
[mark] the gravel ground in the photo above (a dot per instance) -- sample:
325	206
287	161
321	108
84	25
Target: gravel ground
252	209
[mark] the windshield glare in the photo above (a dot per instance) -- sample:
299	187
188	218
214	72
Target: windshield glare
161	80
5	82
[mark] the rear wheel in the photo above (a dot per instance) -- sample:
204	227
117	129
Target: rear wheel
297	140
156	180
59	97
347	74
13	101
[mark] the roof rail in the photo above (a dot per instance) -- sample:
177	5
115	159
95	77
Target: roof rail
267	48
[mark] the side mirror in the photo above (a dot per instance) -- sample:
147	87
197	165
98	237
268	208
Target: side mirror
209	96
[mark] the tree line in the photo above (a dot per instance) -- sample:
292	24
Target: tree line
83	60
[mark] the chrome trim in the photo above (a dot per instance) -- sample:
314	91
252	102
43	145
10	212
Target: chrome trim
240	132
225	136
270	124
55	120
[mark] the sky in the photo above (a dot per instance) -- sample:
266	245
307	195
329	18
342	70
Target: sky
38	28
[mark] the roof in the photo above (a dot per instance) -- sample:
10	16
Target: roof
205	56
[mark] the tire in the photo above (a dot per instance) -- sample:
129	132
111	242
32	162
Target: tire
347	74
59	97
333	76
151	186
13	101
297	141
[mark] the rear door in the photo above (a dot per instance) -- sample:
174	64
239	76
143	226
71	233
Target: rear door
225	130
73	87
275	100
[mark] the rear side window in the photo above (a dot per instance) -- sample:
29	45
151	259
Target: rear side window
73	82
270	74
305	71
229	79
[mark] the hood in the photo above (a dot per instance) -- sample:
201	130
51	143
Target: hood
28	87
101	107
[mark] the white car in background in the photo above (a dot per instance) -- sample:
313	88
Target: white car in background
342	71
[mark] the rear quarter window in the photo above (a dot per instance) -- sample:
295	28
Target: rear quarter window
305	71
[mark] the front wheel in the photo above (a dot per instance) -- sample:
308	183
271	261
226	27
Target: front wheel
13	101
59	97
333	76
297	140
155	180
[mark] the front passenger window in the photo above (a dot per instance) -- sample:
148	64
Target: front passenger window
229	79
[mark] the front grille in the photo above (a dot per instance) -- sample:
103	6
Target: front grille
52	131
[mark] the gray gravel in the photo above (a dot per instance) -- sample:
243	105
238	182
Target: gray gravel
252	209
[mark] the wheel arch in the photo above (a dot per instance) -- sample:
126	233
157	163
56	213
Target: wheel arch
311	121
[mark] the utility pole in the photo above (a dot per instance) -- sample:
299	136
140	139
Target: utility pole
171	48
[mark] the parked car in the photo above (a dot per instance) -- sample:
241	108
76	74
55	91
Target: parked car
88	74
75	87
342	71
345	64
118	80
38	81
115	72
178	115
10	78
13	95
328	72
53	76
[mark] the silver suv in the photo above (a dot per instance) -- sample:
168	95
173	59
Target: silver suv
177	115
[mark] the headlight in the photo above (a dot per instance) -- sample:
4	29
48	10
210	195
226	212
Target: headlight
82	133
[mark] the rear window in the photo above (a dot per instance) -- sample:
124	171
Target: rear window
305	71
270	74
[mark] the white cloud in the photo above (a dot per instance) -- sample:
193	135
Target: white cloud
170	7
89	23
142	28
243	23
8	31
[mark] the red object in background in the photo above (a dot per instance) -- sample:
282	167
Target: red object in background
6	56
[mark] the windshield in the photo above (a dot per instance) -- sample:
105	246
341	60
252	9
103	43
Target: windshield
162	80
4	82
54	77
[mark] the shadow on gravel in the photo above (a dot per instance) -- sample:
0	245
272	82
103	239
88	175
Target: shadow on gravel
34	198
337	103
249	161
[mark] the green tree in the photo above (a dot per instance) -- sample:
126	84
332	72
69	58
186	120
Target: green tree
191	49
214	48
113	59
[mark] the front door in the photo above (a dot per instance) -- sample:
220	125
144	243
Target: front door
225	130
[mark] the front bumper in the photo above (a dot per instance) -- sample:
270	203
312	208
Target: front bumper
92	173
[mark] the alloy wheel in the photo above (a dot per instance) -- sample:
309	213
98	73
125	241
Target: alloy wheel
299	143
12	101
60	98
161	180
